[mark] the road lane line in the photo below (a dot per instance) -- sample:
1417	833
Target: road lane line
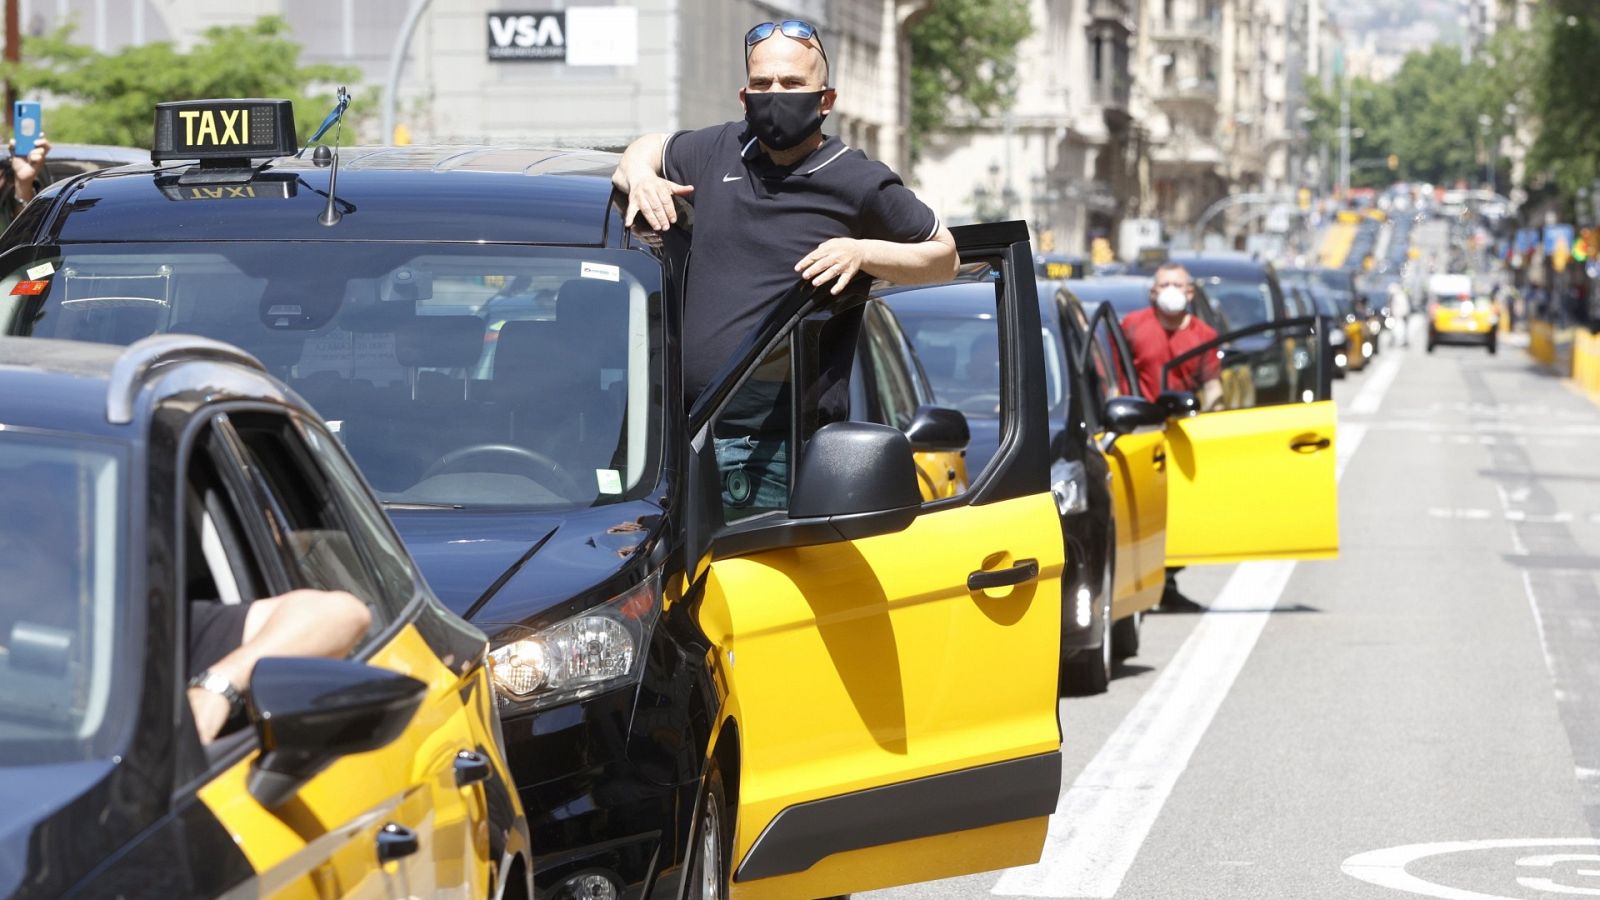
1371	394
1102	820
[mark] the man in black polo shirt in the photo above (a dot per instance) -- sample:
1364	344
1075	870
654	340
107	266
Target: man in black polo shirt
775	201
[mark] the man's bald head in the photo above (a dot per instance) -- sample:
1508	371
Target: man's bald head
783	63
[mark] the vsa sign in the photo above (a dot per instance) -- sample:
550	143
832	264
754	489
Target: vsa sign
540	36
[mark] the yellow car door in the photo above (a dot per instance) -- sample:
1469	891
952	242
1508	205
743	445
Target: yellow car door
408	817
1138	464
894	695
1255	483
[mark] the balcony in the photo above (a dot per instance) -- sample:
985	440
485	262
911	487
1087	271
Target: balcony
1189	31
1186	90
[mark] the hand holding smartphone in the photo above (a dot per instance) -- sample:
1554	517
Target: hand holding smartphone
27	124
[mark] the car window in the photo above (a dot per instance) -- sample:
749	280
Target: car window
1241	303
64	672
324	545
458	375
890	366
753	434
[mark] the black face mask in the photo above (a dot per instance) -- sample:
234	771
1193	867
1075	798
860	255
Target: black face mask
783	119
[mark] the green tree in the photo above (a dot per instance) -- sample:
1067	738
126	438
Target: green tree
963	61
110	98
1562	90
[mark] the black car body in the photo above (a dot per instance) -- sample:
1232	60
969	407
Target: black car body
479	326
120	465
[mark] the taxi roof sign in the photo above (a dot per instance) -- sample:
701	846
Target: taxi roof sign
232	130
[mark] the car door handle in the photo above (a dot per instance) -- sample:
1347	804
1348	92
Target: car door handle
471	768
1159	458
983	580
395	841
1310	444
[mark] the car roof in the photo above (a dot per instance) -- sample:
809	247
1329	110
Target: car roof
962	298
1208	265
498	195
56	385
106	153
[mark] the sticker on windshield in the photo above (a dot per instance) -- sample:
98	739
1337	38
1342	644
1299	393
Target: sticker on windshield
45	270
600	271
610	480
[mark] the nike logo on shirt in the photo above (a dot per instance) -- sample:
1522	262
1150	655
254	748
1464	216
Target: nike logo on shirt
731	177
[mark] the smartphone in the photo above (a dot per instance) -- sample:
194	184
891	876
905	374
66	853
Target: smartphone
27	123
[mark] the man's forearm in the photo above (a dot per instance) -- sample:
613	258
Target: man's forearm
928	262
641	159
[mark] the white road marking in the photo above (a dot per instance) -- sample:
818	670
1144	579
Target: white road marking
1439	513
1371	394
1387	867
1102	820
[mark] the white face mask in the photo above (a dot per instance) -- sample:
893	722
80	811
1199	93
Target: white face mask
1172	300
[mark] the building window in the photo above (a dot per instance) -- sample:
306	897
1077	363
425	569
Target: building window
1097	60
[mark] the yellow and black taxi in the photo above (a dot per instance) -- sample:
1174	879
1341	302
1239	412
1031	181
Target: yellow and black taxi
1458	315
138	485
704	688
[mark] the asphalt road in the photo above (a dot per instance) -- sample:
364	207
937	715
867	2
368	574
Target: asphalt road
1438	684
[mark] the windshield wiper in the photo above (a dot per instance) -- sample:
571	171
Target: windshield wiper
408	504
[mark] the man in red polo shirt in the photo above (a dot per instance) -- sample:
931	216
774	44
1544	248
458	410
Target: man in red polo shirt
1158	335
1167	330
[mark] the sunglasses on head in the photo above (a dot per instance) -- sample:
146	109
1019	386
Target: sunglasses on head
800	31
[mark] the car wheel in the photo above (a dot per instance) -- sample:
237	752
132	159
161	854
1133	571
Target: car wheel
1494	346
708	875
1431	342
1125	636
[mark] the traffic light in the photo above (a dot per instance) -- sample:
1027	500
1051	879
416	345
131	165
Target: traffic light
1394	162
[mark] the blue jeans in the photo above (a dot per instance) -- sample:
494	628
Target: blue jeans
755	475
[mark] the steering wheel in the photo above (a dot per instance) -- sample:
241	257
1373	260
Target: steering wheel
546	471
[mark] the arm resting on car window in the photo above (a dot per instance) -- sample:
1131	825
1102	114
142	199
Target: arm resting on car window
299	623
638	175
923	262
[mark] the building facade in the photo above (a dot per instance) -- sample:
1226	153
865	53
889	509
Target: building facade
644	65
1066	155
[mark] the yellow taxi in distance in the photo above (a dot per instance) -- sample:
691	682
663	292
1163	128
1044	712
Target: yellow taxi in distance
1457	316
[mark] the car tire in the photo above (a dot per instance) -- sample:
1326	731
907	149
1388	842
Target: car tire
1494	346
1432	341
1125	636
708	870
1090	673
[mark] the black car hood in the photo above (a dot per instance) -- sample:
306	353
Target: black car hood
527	562
29	797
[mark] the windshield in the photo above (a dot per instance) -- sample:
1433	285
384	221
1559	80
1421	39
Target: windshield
61	521
961	356
457	375
1240	303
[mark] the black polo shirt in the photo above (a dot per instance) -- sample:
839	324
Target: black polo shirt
754	219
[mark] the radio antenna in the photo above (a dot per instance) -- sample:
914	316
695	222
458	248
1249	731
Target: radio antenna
330	213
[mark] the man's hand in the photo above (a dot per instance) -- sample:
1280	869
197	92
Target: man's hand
653	196
26	168
210	713
837	260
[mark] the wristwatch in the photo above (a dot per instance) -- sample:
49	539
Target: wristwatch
218	683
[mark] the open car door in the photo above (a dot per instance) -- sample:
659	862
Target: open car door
1255	482
891	697
1138	464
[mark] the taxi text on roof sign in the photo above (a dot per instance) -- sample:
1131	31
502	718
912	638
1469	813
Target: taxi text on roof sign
223	130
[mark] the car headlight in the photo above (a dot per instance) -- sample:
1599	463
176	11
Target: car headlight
597	650
1268	375
1069	481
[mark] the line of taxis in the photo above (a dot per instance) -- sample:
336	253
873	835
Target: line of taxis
698	690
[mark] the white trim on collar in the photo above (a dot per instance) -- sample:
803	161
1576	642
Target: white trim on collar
744	151
843	149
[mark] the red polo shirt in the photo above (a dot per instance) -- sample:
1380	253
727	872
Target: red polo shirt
1154	346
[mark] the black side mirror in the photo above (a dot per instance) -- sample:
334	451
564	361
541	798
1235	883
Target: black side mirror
1178	404
937	428
859	478
309	711
1126	415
